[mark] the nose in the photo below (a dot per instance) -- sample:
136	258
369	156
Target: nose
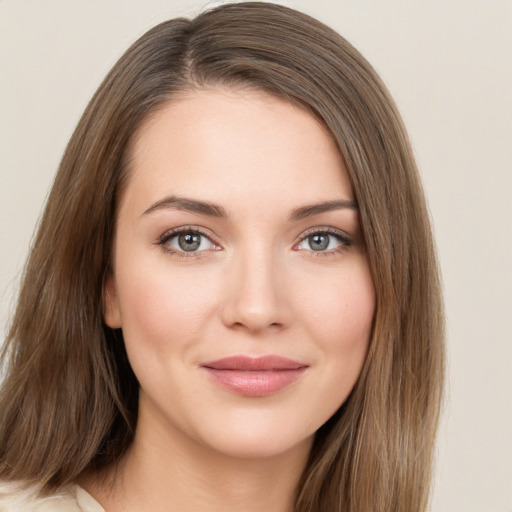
256	296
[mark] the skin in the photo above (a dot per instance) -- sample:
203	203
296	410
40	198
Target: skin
255	287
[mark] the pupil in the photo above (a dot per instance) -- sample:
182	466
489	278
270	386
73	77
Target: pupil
319	242
189	241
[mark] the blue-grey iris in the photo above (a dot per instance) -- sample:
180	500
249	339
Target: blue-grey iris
189	241
318	241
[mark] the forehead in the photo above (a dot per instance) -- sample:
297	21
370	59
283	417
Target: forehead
219	144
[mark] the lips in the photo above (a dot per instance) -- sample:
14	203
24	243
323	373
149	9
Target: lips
254	376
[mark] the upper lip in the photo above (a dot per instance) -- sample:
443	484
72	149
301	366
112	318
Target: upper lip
250	363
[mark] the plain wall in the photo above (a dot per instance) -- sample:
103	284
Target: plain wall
448	63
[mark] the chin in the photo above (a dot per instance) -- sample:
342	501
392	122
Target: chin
261	445
257	433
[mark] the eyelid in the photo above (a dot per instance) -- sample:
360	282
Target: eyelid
163	240
344	238
343	235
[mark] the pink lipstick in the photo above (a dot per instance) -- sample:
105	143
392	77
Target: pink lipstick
254	376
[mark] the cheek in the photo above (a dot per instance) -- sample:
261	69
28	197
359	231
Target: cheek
161	309
340	313
340	319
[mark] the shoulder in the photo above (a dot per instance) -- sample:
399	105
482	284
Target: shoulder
19	497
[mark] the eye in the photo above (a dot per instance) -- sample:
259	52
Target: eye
185	241
325	241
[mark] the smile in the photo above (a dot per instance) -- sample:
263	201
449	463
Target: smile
254	376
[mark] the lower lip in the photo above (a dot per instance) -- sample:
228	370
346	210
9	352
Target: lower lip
255	383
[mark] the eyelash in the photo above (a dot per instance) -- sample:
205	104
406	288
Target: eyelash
340	236
164	240
344	239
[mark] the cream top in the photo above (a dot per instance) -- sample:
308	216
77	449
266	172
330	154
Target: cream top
16	498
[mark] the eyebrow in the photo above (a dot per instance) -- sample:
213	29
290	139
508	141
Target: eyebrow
189	205
326	206
213	210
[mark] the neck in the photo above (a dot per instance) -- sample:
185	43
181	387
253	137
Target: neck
169	471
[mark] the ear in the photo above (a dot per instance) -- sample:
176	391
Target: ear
111	311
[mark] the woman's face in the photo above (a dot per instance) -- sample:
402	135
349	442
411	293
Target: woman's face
240	278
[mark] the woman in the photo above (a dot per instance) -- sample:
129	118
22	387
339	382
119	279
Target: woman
232	299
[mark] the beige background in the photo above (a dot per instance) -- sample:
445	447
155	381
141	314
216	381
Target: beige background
448	64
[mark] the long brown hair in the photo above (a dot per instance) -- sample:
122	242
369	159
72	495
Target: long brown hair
69	400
